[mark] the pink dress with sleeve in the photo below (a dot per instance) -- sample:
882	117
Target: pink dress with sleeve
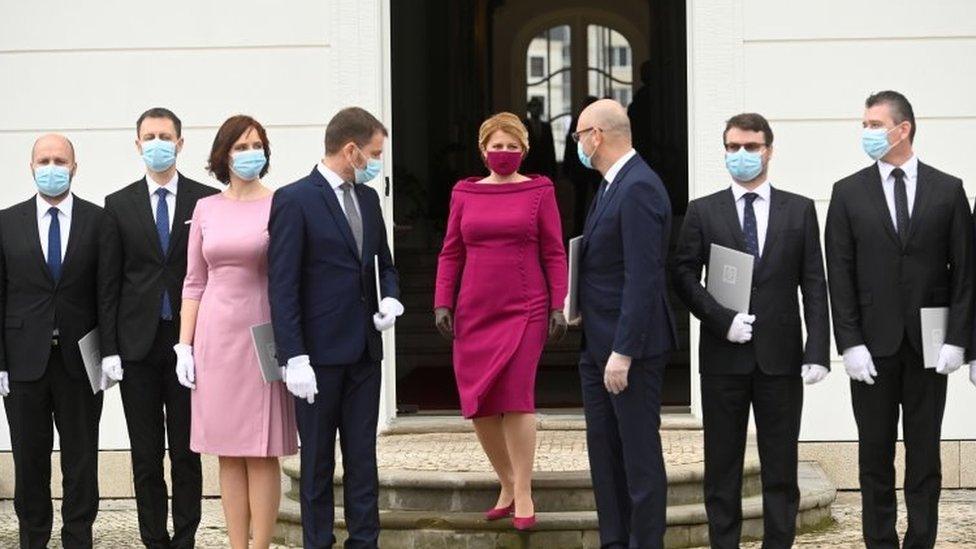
501	270
233	412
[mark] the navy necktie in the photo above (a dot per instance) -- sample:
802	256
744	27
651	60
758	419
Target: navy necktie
54	244
749	226
162	228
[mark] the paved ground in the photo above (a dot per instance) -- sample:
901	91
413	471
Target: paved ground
116	526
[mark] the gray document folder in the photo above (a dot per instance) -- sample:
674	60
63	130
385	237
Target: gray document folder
730	277
935	320
572	304
264	346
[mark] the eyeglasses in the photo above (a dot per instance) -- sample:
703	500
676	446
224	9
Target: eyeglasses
749	147
578	135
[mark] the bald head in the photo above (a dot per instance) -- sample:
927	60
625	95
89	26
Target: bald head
53	148
608	115
606	134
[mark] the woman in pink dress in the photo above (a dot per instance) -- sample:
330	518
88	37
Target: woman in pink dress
234	414
501	282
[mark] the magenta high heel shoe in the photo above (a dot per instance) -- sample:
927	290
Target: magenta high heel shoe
499	513
523	523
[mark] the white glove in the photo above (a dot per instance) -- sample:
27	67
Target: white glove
390	309
951	358
972	372
185	369
4	384
615	374
741	329
111	371
300	379
859	364
813	373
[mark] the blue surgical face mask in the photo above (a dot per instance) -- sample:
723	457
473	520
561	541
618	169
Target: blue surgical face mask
744	165
248	164
373	168
52	180
585	159
874	141
159	155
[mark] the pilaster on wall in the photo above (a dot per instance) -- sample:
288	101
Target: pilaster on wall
716	73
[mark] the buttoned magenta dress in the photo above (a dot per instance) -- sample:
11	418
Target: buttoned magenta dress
233	411
502	269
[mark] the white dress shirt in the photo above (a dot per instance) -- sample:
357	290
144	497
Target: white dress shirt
335	180
170	186
44	222
617	166
910	167
760	205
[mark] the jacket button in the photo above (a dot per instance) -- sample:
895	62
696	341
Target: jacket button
362	298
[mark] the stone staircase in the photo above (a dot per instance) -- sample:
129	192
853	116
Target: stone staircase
435	486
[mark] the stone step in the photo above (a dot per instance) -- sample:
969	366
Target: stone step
687	524
670	421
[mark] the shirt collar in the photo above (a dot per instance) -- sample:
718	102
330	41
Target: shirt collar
738	191
335	180
170	185
618	165
910	167
64	207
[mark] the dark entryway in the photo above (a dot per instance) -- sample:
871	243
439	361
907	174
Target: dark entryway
455	62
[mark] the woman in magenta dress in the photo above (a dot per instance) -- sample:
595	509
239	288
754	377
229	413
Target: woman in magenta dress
501	282
234	414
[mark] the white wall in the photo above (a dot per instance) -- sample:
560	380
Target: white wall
808	66
89	69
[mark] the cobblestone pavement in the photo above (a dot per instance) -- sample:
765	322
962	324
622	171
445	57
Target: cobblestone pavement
555	451
116	526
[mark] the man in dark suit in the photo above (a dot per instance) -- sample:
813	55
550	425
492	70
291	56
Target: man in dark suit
899	238
143	262
48	301
325	229
757	357
628	330
541	158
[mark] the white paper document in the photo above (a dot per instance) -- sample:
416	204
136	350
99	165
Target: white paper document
263	337
91	355
935	321
572	312
730	277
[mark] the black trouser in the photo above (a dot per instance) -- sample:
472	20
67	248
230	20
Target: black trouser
148	387
902	381
76	412
347	402
626	461
778	403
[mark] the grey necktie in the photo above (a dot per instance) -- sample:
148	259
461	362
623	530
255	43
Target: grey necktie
352	215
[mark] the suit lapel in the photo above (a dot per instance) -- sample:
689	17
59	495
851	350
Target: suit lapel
34	239
611	189
875	189
774	225
79	224
729	213
139	200
332	201
922	200
367	258
185	201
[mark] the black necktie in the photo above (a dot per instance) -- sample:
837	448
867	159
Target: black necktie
54	244
901	205
749	226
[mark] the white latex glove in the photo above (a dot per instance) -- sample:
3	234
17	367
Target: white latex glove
951	358
859	364
741	329
615	375
185	368
813	373
111	371
390	309
972	372
300	379
4	384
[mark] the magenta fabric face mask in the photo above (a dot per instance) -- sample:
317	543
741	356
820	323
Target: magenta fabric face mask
504	162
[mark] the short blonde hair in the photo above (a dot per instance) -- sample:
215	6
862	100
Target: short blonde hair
508	123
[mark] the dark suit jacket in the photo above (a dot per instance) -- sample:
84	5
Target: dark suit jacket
791	259
32	305
135	271
322	294
877	285
623	293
